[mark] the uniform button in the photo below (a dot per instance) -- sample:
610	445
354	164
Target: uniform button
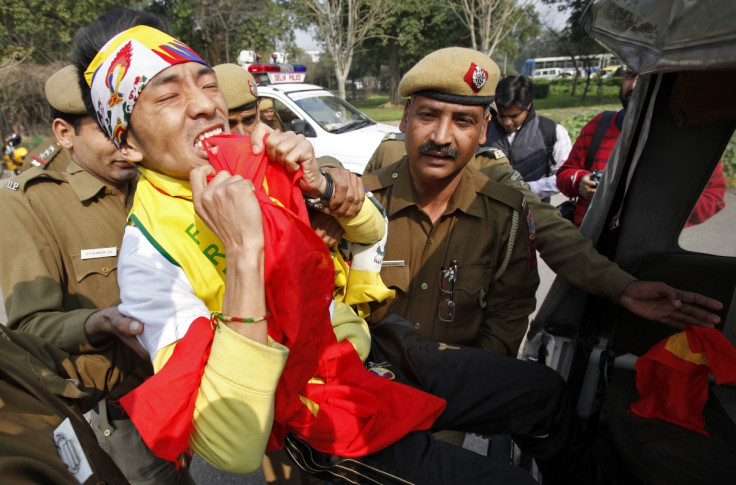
417	325
425	286
105	269
107	432
394	175
431	240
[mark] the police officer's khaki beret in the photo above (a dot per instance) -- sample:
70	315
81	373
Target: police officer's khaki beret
455	75
63	93
237	86
266	103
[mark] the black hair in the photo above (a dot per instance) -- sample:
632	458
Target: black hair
90	39
514	90
75	120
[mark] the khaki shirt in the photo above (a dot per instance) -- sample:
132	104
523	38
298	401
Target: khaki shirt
481	219
567	252
32	407
61	238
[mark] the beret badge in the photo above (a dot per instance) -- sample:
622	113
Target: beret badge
476	77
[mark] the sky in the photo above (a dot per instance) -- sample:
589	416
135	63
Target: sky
548	14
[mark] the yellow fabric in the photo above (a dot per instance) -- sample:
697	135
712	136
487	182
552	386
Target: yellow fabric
357	287
190	245
363	288
366	227
678	345
222	400
348	326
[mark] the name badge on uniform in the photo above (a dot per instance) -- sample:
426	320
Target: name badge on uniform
99	253
71	452
397	262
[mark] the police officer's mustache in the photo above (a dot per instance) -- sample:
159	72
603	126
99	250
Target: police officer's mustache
446	150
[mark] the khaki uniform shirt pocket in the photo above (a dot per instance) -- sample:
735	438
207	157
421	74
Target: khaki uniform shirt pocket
471	289
395	278
84	268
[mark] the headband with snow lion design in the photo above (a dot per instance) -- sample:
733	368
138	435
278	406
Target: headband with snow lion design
123	67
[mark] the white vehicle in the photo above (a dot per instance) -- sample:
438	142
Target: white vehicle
334	126
551	73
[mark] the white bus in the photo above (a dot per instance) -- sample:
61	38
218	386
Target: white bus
595	61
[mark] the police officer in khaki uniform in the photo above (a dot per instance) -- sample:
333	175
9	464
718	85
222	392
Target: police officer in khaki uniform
570	254
241	95
59	281
43	436
461	247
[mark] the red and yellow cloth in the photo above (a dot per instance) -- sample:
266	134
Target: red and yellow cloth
325	395
672	378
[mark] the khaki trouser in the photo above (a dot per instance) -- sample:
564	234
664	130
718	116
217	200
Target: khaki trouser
121	440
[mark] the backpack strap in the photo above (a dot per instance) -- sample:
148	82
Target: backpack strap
600	132
549	133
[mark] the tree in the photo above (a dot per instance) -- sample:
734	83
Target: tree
343	25
575	42
43	31
220	29
490	22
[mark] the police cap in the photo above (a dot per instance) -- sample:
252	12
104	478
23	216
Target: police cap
63	93
237	86
455	75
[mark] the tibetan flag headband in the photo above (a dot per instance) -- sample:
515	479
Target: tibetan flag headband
123	67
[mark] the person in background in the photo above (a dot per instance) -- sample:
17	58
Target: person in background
578	177
535	145
241	98
270	117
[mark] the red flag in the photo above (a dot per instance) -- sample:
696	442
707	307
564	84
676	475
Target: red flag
672	378
359	412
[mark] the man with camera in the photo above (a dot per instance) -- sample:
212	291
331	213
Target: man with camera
580	174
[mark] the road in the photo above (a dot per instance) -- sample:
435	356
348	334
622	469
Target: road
715	235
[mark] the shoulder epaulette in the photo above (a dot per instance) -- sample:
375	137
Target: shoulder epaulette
505	194
495	153
20	182
43	155
383	177
399	136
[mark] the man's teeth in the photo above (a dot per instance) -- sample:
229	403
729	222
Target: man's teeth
203	136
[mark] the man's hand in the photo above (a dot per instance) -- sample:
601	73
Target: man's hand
587	187
659	302
326	227
229	207
103	324
294	152
348	196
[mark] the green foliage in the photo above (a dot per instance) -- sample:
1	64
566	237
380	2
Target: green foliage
43	31
576	122
540	90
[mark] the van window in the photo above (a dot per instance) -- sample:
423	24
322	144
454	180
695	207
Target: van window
709	229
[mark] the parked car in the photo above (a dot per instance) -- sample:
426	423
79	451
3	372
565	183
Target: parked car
678	123
550	73
334	126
